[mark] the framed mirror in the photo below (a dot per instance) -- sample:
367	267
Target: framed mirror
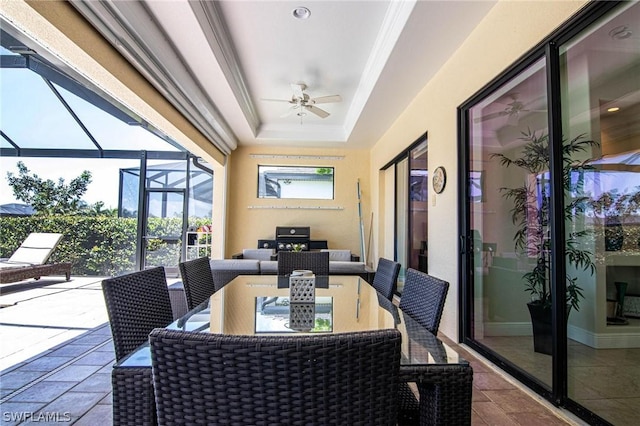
296	182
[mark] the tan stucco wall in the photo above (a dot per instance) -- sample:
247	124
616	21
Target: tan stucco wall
510	29
340	228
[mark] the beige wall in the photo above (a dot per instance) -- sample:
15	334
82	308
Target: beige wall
245	225
509	31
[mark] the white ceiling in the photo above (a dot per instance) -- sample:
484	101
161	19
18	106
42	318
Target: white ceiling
218	61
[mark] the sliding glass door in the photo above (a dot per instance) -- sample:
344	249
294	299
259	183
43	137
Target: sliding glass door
410	194
550	225
600	80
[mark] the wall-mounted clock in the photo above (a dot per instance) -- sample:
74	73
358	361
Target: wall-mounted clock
439	179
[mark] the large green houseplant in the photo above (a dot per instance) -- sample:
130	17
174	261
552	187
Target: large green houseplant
531	216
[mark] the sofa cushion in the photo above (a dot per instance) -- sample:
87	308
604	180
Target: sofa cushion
269	267
339	267
258	254
246	265
338	255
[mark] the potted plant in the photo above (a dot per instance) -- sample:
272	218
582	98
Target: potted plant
531	215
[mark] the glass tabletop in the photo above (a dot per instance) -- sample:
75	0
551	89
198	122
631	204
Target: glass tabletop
260	304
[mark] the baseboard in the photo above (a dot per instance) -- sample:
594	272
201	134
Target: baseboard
594	340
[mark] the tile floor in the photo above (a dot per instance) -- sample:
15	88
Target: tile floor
57	354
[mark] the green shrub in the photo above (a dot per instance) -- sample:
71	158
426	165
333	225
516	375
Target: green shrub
96	245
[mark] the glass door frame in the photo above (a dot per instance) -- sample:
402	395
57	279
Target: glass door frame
548	49
143	210
403	156
145	221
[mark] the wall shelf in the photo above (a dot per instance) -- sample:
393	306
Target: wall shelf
296	207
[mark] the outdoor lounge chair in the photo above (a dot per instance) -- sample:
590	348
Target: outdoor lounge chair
29	260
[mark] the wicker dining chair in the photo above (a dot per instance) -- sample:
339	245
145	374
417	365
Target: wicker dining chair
197	281
316	261
423	298
386	279
334	379
136	304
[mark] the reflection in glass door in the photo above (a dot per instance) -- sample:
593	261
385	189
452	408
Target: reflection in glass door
164	224
418	192
402	217
509	218
551	211
601	102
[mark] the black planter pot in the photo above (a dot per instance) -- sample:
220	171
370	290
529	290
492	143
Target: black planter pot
541	322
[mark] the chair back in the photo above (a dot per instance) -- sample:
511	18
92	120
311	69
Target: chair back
197	281
36	248
316	261
386	279
423	298
136	304
342	378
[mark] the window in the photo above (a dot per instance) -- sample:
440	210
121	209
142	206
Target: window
295	182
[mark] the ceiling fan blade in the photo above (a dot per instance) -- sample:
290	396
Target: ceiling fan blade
326	99
277	100
491	116
317	111
298	90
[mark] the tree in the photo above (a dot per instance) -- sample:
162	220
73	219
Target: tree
46	196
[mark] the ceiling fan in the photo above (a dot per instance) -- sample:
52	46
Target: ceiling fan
512	111
301	102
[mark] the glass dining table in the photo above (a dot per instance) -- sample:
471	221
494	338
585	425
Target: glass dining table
261	305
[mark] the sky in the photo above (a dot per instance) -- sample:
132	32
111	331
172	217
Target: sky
104	174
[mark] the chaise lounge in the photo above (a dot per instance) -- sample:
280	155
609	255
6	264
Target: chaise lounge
29	260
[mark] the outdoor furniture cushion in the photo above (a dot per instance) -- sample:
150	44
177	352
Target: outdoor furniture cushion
258	254
339	255
340	267
34	250
269	267
29	260
224	270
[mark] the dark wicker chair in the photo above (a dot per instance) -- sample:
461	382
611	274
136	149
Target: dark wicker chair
335	379
386	279
423	299
316	261
197	281
136	304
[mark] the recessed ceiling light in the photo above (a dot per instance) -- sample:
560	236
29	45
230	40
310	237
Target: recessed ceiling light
613	109
620	33
301	13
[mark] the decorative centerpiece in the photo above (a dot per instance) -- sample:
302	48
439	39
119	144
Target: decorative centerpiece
302	316
302	287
